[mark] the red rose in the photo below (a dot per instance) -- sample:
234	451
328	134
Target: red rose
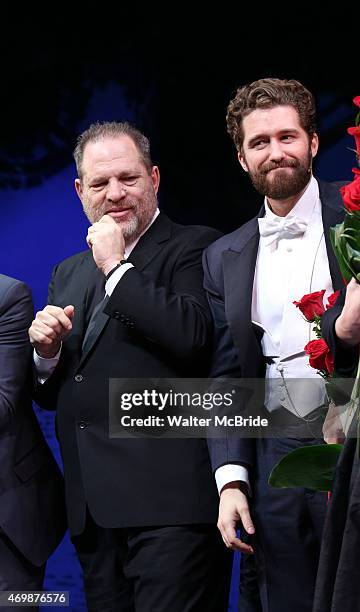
311	305
320	356
356	101
355	131
332	299
351	194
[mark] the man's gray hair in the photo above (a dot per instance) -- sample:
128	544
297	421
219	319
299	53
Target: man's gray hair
97	131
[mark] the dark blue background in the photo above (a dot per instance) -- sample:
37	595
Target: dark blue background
175	83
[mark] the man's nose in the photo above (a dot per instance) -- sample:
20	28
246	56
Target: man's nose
276	152
116	191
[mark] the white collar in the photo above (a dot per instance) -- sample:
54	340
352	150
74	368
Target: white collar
304	208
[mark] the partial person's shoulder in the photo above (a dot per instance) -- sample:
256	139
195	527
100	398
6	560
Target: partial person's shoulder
8	283
195	232
330	194
234	240
12	291
73	261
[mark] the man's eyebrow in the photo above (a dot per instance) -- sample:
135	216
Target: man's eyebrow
97	179
253	139
264	135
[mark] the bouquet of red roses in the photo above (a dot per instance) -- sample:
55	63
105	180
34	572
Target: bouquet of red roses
312	307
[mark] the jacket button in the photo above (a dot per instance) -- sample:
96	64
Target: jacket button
79	378
116	314
82	425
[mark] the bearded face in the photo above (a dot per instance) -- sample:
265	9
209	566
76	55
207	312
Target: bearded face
284	179
277	153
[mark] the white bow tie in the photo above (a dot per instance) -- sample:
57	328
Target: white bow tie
275	228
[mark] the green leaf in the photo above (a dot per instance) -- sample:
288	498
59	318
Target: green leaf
335	232
312	467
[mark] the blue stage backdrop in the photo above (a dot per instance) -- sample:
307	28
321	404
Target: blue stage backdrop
42	225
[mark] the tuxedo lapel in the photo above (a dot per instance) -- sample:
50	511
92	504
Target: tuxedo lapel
239	268
332	214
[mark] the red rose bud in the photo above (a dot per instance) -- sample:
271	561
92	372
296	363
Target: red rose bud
355	131
332	299
320	356
351	194
311	305
356	101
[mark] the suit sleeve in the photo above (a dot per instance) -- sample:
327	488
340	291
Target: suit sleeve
16	314
175	317
225	364
45	395
345	357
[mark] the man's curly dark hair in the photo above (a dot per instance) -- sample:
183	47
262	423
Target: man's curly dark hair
267	93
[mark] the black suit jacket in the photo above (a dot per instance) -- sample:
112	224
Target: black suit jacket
158	324
229	266
32	511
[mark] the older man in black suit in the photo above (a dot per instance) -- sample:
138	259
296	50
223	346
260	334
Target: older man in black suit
142	512
32	512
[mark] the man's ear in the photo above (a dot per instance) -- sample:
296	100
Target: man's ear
242	161
155	177
78	188
314	144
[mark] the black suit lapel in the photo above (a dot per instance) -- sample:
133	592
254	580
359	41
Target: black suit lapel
90	291
149	245
332	214
85	278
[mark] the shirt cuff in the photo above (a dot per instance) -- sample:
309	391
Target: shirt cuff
45	366
230	473
115	277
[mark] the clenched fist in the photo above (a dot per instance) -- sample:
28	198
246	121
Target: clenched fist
105	238
49	329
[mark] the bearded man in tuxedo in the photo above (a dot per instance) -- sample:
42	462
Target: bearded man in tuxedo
252	277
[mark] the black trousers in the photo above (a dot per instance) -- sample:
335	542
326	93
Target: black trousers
289	525
182	568
16	572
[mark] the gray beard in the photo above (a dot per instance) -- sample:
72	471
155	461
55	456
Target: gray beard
136	225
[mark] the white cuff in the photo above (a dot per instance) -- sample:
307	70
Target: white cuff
115	277
230	473
45	366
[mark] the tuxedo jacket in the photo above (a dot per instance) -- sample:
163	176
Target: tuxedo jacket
229	266
157	324
32	510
